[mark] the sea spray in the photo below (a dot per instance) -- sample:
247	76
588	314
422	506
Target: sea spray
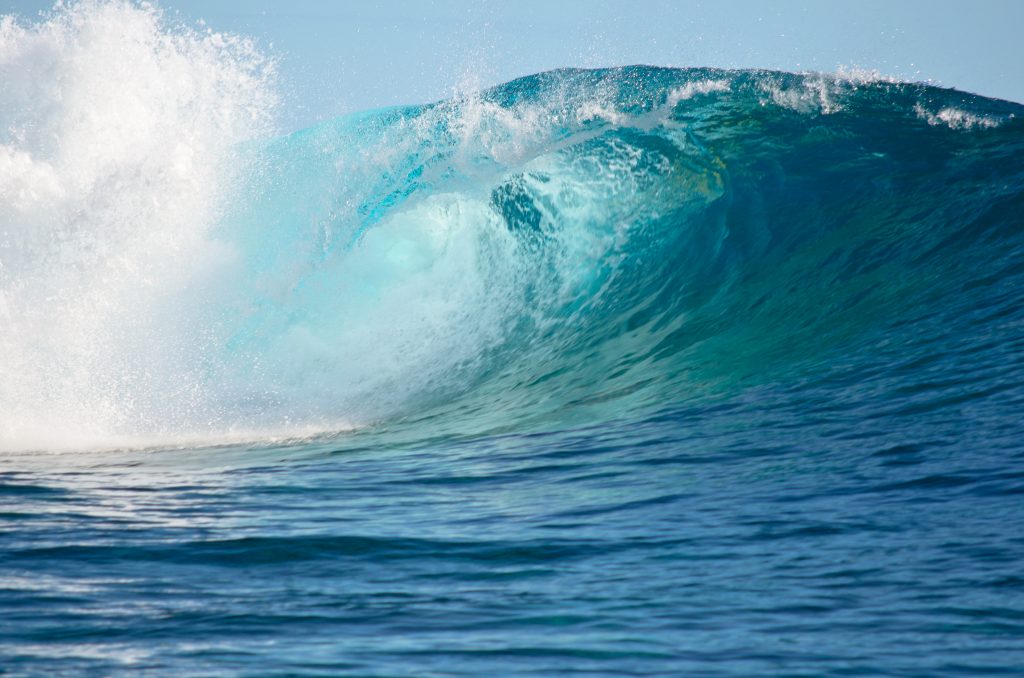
117	130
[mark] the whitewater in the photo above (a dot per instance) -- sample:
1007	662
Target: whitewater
615	371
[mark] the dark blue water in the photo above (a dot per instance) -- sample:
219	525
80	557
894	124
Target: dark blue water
652	372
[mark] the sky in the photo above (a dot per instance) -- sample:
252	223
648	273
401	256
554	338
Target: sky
342	56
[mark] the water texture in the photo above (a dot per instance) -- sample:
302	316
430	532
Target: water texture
604	372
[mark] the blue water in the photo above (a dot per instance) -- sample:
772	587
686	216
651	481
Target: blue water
623	372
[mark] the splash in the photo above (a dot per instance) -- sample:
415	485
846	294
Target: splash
116	127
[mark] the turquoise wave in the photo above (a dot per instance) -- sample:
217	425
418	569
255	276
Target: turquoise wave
658	372
581	244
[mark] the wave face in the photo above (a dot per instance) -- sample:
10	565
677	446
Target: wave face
563	248
580	244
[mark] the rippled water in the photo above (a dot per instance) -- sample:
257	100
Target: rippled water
732	538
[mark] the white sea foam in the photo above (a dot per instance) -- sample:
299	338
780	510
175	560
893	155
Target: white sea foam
814	93
824	93
856	75
592	109
956	118
115	126
692	89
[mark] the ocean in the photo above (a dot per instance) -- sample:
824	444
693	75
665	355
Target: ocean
629	371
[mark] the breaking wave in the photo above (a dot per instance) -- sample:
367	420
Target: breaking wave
570	246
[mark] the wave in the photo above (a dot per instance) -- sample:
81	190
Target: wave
568	247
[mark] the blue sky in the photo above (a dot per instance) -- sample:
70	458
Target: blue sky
338	57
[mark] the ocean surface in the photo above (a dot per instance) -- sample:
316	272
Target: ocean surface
637	371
